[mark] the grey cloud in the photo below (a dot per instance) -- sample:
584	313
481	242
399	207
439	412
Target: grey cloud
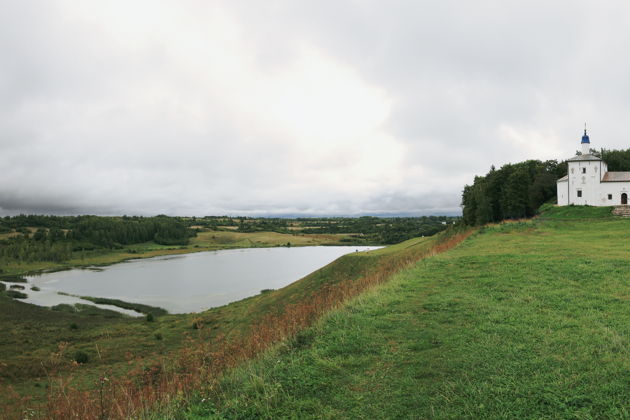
94	120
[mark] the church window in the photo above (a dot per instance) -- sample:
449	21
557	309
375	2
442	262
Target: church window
572	170
595	169
610	196
583	170
579	193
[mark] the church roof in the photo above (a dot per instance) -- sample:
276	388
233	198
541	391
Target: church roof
616	177
564	178
584	157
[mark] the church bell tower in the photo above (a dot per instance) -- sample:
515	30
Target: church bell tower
586	143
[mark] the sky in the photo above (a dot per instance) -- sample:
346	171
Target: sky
320	108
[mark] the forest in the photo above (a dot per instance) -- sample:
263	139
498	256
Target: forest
517	190
29	238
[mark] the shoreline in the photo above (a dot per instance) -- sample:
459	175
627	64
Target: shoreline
110	258
139	307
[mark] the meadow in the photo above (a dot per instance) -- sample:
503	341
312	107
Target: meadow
525	320
54	361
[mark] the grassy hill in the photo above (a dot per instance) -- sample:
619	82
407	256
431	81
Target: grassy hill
523	320
138	364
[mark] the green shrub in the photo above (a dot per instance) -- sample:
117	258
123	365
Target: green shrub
150	317
158	336
81	357
15	294
35	289
3	287
74	326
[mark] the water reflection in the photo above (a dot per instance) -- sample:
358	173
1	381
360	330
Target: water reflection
188	282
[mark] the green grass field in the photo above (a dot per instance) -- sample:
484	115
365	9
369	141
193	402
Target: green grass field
38	345
525	320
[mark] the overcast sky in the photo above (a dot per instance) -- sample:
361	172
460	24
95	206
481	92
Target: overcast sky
295	107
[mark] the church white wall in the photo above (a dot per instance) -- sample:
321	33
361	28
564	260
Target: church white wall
562	193
615	189
586	176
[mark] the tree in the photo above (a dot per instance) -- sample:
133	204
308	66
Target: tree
513	191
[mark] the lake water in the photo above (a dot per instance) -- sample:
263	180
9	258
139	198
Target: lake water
187	282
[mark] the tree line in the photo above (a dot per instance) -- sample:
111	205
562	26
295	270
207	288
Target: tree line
371	229
57	237
367	229
517	190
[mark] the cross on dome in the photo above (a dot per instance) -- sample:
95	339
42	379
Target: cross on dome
585	138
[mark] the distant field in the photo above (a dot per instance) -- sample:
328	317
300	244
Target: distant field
525	320
223	238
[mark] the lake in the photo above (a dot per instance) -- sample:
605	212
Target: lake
186	282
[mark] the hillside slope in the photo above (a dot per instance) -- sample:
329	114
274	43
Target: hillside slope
137	366
522	320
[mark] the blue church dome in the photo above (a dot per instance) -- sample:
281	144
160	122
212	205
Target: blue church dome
585	138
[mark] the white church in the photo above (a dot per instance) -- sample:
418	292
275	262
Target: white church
588	181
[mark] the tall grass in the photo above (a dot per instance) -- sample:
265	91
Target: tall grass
163	385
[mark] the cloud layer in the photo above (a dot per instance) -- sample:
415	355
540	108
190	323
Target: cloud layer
291	107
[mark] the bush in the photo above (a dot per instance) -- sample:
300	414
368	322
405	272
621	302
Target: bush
158	336
74	326
15	294
3	287
150	317
81	357
35	289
